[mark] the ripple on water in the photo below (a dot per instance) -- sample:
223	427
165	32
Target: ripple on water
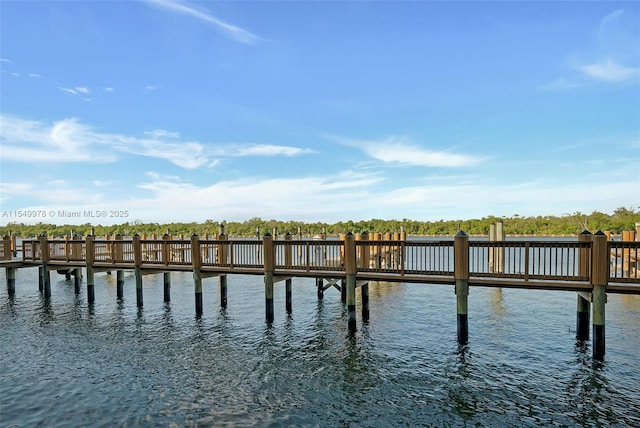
64	363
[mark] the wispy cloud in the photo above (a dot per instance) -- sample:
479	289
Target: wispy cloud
231	31
150	88
69	140
35	75
613	57
162	133
608	20
270	150
77	90
397	150
610	71
62	141
6	60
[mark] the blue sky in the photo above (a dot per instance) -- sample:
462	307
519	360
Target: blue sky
318	111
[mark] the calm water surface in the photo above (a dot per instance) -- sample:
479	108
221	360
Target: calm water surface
65	363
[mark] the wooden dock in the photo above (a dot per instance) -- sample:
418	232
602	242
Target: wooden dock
591	266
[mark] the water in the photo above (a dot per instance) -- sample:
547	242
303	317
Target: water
64	363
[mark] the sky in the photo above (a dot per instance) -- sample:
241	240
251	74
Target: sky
176	111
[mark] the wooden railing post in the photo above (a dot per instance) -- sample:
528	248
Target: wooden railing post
137	261
584	304
196	263
14	246
364	250
7	252
269	267
222	248
600	260
461	275
351	269
90	259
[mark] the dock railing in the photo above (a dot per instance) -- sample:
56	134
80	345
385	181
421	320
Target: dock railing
521	260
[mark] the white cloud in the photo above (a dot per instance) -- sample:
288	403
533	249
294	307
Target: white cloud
6	60
333	197
75	90
607	20
397	150
610	71
162	133
109	89
63	141
233	32
270	150
68	140
150	88
35	75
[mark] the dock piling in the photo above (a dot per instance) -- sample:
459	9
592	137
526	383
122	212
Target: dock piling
197	276
583	304
11	280
90	257
223	291
77	277
119	284
461	274
269	265
364	291
350	270
166	280
137	261
44	255
599	279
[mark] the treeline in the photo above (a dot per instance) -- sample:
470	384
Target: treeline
621	219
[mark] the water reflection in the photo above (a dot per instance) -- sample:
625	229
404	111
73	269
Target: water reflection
589	390
497	302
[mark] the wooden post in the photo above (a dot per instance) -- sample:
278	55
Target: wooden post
196	263
118	255
364	289
461	275
11	280
365	251
223	291
14	247
137	261
44	255
77	277
320	287
584	305
90	258
222	247
350	270
269	265
288	262
500	236
40	279
299	245
166	282
318	261
599	279
364	292
492	250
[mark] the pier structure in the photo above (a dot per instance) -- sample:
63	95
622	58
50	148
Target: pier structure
592	266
